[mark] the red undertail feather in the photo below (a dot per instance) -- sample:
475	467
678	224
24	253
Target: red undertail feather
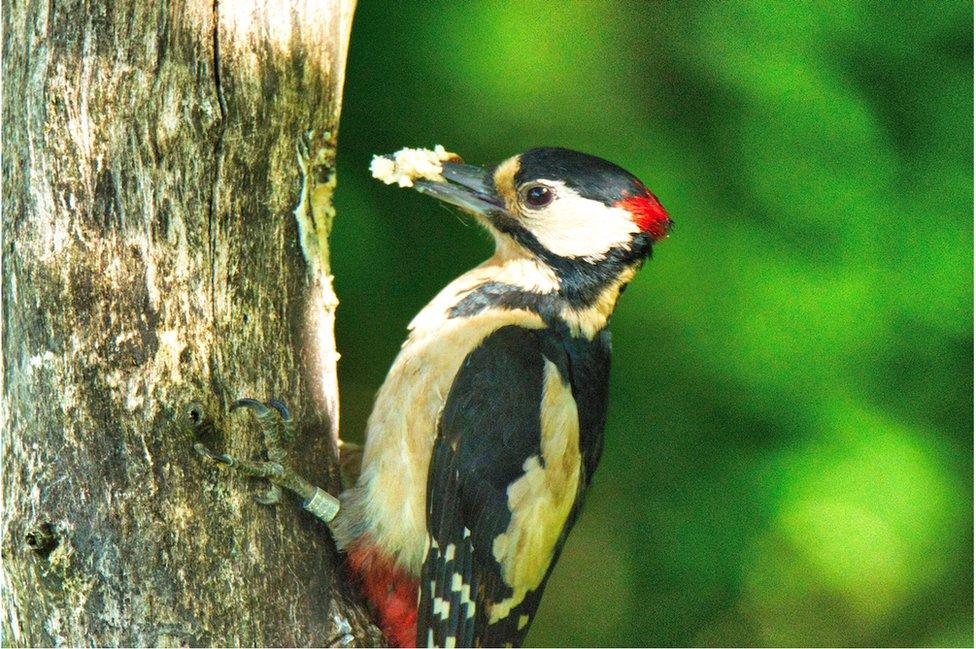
391	591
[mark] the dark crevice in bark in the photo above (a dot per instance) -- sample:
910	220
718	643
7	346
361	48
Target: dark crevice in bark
213	218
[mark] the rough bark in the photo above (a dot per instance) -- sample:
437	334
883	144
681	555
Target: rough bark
151	259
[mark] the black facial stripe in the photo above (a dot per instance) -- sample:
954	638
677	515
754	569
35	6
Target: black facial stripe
591	177
580	281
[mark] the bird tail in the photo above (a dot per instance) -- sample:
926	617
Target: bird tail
390	590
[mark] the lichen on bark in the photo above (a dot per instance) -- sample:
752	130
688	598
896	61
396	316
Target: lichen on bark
151	259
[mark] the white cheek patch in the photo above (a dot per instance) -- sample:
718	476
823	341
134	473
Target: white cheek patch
573	226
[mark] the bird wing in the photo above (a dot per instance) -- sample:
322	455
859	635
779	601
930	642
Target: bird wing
508	469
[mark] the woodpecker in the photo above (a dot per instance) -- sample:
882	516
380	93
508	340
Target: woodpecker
489	425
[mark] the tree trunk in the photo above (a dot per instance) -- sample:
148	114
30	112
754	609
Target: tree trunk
151	260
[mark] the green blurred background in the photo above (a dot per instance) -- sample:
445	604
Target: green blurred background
790	439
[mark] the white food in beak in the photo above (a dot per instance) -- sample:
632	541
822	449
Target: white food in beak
409	165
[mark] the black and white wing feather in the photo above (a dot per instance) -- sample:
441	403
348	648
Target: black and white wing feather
514	452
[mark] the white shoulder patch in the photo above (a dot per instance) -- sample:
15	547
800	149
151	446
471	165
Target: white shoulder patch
542	498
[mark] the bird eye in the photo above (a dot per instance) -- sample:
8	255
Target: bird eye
537	196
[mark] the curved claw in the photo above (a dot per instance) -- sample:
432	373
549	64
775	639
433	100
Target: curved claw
222	458
281	408
251	404
287	423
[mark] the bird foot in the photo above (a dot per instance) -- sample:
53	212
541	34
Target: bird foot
276	426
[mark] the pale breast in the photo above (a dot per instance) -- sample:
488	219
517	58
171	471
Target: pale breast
403	425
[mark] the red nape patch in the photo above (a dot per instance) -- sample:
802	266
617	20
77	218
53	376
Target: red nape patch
391	590
648	214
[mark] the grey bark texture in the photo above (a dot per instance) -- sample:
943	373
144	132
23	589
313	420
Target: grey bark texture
151	259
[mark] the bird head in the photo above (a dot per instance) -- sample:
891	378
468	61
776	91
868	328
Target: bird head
577	213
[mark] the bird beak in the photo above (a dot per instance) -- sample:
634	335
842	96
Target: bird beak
469	187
